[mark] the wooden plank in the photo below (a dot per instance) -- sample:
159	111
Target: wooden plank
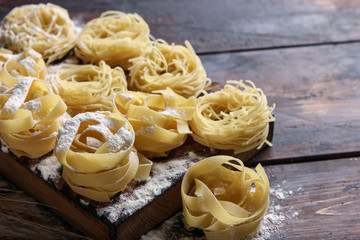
248	24
130	214
314	200
317	95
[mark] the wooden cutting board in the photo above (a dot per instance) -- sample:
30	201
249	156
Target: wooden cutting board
131	213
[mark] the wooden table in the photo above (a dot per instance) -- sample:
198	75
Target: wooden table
305	55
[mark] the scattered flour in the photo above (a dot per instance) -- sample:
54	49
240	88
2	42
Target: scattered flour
49	168
273	220
33	105
162	177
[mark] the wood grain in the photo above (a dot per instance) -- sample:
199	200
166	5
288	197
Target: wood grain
314	200
213	26
317	95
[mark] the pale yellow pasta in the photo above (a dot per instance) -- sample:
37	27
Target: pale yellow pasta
236	117
5	55
46	28
160	120
164	65
88	88
223	198
28	63
30	117
97	154
114	37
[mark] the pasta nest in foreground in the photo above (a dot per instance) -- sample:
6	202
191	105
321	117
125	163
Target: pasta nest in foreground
224	198
173	66
236	117
88	88
46	28
114	37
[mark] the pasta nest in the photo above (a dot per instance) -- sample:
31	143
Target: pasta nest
160	120
236	117
114	37
89	87
46	28
97	154
29	63
173	66
223	198
30	117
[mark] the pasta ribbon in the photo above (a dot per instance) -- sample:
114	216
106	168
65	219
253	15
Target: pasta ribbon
174	66
97	154
46	28
236	117
88	88
29	63
114	37
30	117
160	120
223	198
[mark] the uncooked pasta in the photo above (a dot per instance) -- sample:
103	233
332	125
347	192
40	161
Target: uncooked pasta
46	28
174	66
236	117
160	120
114	37
223	198
97	154
88	88
30	117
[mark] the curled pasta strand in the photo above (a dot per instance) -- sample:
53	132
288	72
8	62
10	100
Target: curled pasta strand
224	198
30	117
160	120
88	88
236	117
46	28
174	66
29	63
97	154
114	37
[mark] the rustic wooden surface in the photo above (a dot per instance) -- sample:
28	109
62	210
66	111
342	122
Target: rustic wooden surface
304	55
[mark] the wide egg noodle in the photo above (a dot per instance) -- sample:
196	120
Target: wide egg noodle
163	65
30	117
160	120
224	198
88	88
99	171
114	37
236	117
46	28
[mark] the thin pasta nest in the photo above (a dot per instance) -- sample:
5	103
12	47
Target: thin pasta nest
46	28
88	88
114	37
223	198
174	66
236	117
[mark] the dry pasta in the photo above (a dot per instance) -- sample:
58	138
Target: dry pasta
30	117
236	117
160	120
88	88
97	154
164	65
223	198
114	37
46	28
28	63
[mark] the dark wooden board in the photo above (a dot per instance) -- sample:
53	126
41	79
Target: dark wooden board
213	26
313	200
317	95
